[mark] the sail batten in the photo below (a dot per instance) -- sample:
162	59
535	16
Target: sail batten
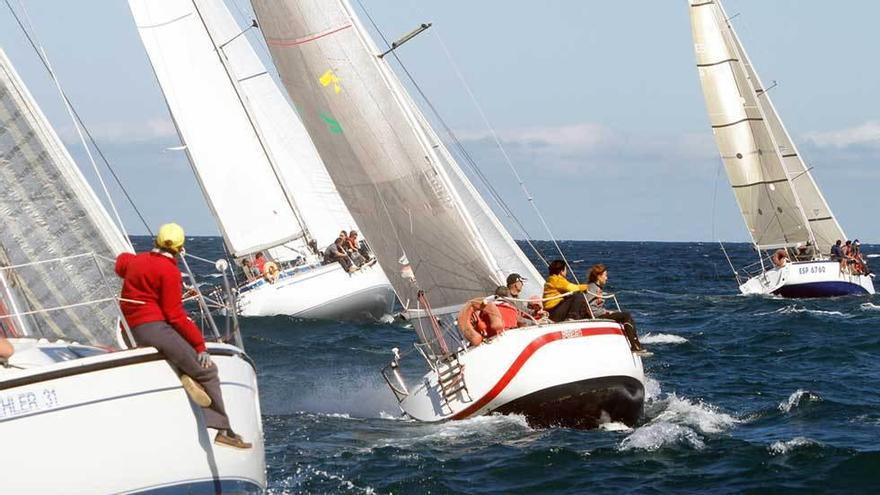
775	192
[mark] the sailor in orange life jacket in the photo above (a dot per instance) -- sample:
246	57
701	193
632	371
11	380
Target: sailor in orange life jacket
6	349
484	318
159	320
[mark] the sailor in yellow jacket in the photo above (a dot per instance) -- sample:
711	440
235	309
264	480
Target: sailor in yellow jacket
569	307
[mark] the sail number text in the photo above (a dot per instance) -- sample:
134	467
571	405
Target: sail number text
27	402
811	269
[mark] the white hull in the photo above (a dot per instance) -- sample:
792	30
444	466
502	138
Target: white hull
579	373
808	279
325	292
120	422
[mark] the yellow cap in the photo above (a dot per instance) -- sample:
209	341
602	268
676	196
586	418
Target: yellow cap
170	237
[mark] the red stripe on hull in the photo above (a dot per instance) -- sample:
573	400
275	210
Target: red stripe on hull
524	356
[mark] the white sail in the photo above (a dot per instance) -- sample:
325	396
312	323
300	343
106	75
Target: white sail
302	170
777	196
406	192
49	212
233	166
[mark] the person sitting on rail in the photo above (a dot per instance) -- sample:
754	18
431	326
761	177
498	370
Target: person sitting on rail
335	253
563	300
260	263
780	258
250	271
846	256
481	318
530	311
836	251
352	248
596	279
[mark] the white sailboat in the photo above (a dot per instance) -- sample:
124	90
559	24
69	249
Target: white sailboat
436	238
79	413
778	197
257	167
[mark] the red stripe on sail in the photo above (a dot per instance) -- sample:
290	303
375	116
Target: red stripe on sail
521	360
304	39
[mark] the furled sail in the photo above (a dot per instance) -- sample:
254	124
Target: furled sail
383	164
776	194
236	170
57	243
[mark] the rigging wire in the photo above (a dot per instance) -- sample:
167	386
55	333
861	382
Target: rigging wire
459	146
78	121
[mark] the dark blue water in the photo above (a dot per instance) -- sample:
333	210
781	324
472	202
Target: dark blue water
746	394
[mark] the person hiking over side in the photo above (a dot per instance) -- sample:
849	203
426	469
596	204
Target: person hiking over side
570	307
596	280
159	320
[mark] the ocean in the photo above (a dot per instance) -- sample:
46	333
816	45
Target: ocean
745	395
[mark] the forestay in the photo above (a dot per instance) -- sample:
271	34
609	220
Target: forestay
777	196
233	166
49	212
380	159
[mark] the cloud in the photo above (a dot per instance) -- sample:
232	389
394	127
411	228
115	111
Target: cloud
124	132
867	134
576	148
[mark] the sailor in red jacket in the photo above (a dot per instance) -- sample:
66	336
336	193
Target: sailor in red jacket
160	321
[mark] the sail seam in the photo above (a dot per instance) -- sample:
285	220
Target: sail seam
747	119
305	39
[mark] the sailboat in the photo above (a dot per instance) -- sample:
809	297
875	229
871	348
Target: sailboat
257	167
437	240
80	412
780	202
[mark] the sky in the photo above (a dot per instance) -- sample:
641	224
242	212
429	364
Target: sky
597	103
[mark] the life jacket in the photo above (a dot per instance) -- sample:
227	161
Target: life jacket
509	314
491	322
271	272
469	322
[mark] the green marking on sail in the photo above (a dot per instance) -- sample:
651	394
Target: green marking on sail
332	124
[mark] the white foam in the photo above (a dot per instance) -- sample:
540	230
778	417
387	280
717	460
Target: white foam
652	388
661	338
614	426
465	433
654	436
704	417
794	400
795	309
869	307
387	319
782	448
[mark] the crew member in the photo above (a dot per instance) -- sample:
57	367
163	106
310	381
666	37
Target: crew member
6	349
533	308
571	306
158	319
597	278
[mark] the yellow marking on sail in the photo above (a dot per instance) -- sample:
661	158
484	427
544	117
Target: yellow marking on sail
329	78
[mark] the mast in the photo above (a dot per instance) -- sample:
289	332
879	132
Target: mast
271	160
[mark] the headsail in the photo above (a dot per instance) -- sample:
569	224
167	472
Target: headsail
777	196
49	212
234	167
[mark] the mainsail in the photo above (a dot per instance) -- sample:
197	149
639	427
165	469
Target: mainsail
57	242
774	189
401	186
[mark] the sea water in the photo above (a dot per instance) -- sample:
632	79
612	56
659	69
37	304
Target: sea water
744	394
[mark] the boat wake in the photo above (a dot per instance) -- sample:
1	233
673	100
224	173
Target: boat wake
662	338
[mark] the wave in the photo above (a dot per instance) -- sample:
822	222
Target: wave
662	338
795	309
869	307
469	433
679	421
784	447
614	426
794	400
309	474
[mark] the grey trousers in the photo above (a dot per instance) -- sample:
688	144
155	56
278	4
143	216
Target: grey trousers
181	354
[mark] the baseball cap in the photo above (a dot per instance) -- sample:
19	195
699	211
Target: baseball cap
514	278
